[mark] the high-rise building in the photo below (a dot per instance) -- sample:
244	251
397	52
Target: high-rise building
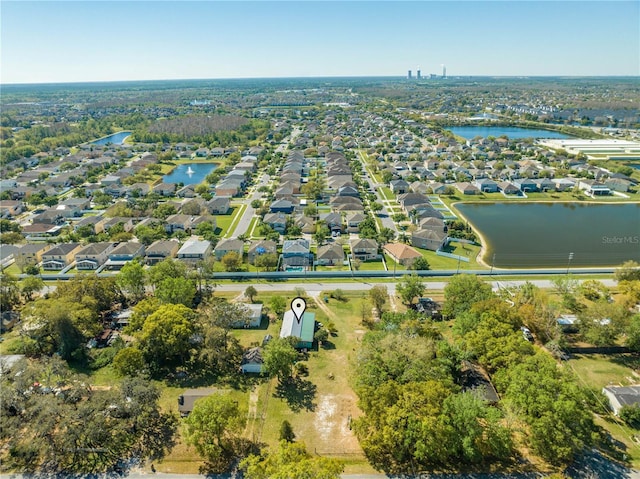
444	71
418	74
409	76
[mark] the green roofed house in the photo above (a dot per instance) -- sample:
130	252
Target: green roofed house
302	330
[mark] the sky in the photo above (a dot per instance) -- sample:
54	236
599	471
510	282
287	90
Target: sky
76	41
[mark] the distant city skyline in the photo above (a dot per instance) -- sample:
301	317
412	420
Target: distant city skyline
84	41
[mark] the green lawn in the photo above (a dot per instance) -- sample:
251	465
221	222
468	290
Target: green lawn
599	370
371	266
386	193
223	222
235	217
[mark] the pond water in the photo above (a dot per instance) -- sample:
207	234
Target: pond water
115	139
544	234
189	173
512	132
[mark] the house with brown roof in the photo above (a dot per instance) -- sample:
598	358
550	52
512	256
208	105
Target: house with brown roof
160	250
401	253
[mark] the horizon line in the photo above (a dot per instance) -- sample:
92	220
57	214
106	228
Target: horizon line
404	77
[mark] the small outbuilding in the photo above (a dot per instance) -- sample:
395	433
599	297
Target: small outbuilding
622	396
252	361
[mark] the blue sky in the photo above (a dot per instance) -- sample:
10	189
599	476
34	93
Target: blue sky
52	41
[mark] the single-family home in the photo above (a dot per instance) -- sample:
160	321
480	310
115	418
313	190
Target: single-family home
60	256
545	184
429	239
364	249
39	231
353	220
564	184
229	245
252	317
330	255
486	185
277	221
30	253
296	254
93	256
526	185
594	188
123	253
399	186
508	188
194	250
160	250
281	206
333	221
260	247
467	188
401	253
165	189
219	205
10	208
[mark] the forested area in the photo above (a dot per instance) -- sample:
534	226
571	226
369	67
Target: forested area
216	130
418	412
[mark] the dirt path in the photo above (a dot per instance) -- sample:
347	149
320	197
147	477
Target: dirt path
252	414
392	301
325	308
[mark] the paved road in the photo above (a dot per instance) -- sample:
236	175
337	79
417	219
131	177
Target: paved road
384	215
243	224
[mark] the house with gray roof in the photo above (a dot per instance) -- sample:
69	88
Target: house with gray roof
194	250
296	254
330	255
60	256
93	256
619	397
260	247
228	245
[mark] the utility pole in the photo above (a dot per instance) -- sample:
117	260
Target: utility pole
493	260
569	262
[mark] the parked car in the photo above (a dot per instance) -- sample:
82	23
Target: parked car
526	333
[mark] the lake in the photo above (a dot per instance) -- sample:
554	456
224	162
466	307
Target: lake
115	139
543	234
512	132
189	173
